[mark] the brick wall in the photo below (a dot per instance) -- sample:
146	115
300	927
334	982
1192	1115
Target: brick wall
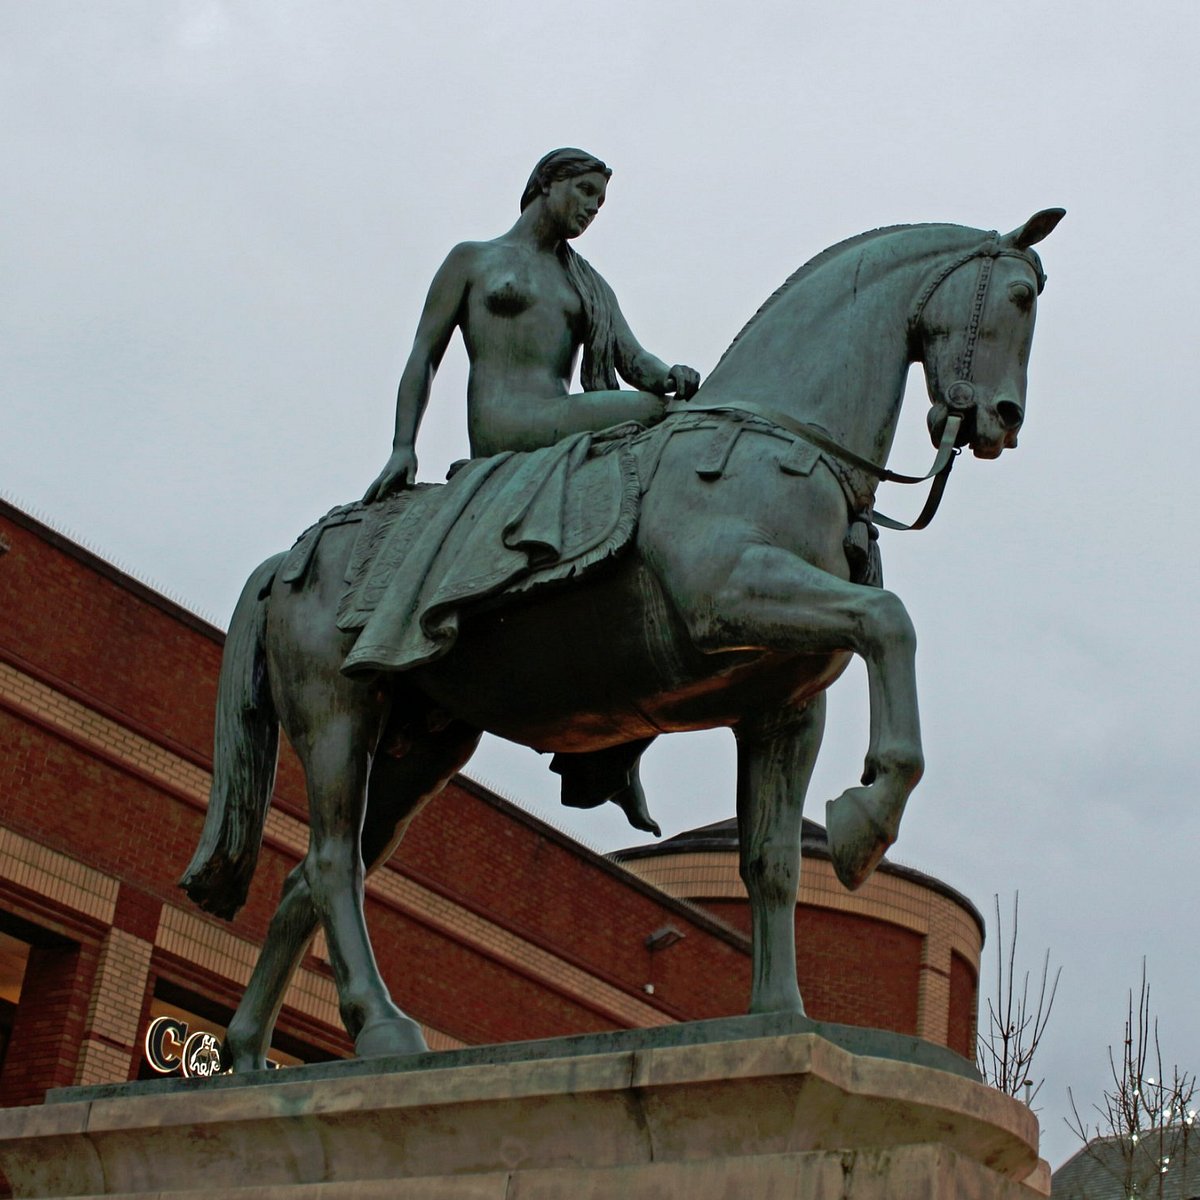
852	969
858	970
102	634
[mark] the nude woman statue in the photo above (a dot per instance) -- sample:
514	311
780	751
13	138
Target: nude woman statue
527	304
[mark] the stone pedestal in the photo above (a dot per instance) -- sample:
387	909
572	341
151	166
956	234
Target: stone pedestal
768	1117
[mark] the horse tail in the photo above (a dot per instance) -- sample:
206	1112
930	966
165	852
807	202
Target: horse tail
245	751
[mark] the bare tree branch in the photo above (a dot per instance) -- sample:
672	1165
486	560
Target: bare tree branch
1015	1021
1144	1136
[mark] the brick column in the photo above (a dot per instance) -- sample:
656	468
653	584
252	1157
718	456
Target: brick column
115	1009
48	1028
933	986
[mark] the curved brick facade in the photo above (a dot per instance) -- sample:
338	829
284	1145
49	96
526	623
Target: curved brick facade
489	925
901	953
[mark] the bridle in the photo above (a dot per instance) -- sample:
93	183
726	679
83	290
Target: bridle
959	396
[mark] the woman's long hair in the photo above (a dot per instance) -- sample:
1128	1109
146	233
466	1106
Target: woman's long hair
598	371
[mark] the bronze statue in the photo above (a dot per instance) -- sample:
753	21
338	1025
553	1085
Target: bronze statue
715	569
526	304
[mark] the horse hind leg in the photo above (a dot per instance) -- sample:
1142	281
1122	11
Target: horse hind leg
774	768
335	751
248	1038
398	789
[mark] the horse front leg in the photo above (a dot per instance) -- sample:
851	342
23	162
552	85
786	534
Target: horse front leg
773	599
864	821
774	769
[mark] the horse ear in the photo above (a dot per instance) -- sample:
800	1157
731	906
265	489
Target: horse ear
1039	226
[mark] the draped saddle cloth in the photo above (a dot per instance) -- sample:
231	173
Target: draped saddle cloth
507	525
501	526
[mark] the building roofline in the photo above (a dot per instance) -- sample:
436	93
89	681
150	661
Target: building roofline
719	838
693	913
114	574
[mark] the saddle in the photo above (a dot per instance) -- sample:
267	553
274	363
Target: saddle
501	526
514	523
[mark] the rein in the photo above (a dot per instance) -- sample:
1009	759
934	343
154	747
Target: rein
939	472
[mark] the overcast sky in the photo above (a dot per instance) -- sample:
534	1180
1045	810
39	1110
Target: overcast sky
219	222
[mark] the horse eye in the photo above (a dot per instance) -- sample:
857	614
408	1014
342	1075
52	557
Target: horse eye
1020	293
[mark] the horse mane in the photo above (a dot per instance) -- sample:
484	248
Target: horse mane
814	264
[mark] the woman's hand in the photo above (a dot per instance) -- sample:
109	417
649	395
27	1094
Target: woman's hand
400	471
683	381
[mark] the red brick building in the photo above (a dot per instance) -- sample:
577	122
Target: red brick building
489	925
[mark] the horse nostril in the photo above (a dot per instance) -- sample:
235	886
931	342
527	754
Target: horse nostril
1010	413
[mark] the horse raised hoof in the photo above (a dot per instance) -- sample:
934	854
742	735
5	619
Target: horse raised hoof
390	1038
857	838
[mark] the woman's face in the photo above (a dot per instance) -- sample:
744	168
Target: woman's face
574	202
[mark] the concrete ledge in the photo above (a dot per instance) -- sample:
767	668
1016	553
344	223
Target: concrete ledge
769	1116
873	1043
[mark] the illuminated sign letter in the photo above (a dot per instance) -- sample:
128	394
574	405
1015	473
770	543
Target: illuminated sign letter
164	1044
201	1056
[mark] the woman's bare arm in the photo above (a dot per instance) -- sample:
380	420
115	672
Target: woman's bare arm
642	369
439	318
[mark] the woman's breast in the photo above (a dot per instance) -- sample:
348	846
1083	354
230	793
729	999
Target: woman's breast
514	288
508	296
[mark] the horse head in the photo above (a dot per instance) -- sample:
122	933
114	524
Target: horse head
972	329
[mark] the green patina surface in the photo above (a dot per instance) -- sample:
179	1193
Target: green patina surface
734	604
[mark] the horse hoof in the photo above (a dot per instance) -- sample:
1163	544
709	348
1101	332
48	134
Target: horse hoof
242	1064
240	1055
857	840
787	1005
392	1037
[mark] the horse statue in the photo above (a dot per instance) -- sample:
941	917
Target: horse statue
747	580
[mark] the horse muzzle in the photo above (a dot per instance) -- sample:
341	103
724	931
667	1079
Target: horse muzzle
988	428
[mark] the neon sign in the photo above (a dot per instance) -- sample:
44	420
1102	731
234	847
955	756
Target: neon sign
170	1049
